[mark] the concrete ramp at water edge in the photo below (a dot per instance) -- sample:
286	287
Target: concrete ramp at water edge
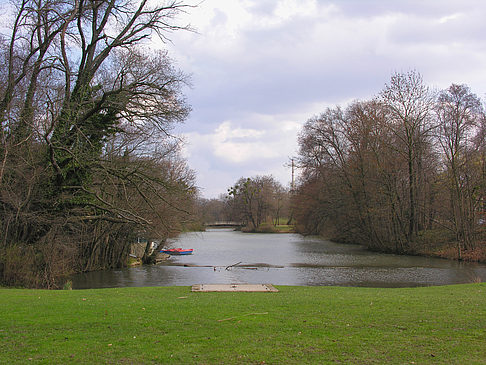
249	288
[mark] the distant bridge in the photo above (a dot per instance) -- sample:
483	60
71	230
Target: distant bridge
223	224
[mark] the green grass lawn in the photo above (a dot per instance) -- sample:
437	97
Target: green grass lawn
298	325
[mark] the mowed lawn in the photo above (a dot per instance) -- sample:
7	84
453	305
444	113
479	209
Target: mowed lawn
298	325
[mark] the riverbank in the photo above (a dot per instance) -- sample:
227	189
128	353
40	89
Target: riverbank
297	325
448	250
451	253
270	228
436	244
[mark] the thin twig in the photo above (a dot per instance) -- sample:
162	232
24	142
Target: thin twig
228	267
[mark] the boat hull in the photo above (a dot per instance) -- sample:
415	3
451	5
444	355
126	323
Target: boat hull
178	251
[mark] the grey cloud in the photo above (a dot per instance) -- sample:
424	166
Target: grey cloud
423	8
324	59
219	18
464	27
262	7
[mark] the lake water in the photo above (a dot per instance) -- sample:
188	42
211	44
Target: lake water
283	259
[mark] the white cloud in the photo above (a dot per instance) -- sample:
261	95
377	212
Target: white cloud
226	132
236	145
448	18
239	145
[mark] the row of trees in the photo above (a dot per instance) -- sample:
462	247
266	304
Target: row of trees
257	200
388	171
87	161
258	203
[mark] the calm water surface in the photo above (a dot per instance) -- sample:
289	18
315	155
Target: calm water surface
283	259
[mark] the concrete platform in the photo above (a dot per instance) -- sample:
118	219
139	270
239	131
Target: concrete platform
266	288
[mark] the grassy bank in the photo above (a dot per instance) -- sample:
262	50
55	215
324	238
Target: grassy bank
295	326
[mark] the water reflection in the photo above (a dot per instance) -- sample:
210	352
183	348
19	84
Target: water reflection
283	259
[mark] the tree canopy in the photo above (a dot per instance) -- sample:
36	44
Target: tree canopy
87	159
392	171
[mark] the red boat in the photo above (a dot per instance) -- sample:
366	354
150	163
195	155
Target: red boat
178	251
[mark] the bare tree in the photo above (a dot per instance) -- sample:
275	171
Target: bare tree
255	200
459	113
409	104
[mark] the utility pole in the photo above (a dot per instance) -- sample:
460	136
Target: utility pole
292	190
292	185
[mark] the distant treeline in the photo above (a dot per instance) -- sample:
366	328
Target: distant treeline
259	203
404	172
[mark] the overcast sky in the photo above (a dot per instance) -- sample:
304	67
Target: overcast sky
261	68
